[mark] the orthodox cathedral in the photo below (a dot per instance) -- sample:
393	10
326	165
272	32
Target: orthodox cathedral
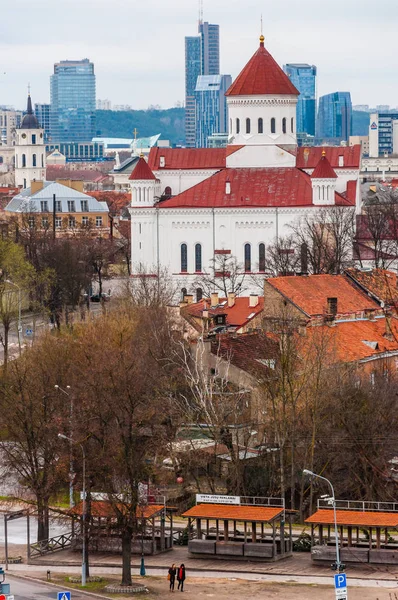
188	205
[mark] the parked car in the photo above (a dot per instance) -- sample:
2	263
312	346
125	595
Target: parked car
98	298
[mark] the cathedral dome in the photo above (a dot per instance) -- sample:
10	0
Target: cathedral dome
29	120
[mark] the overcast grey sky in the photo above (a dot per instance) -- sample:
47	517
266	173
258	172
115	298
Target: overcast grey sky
138	45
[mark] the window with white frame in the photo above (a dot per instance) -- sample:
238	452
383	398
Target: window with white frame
58	222
85	221
71	206
44	205
98	221
72	222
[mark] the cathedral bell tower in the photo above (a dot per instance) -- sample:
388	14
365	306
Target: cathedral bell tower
30	151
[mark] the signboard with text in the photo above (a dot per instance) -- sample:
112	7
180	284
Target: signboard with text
217	499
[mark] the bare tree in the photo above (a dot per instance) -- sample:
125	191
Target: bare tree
225	274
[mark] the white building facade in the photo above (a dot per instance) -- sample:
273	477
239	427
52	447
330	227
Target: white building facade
30	151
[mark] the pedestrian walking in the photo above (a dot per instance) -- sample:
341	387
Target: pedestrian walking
172	576
181	577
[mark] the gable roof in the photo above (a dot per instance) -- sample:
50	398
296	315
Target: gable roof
309	157
187	158
261	187
142	172
249	351
381	283
238	315
355	518
324	169
262	76
27	202
310	293
263	514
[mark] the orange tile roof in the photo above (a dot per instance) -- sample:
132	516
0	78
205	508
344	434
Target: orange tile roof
380	282
355	518
310	293
261	76
262	514
238	315
105	509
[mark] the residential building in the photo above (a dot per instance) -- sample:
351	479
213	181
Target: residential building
74	210
202	57
10	120
383	134
217	140
236	200
335	117
30	152
73	105
363	140
303	77
42	112
211	107
104	104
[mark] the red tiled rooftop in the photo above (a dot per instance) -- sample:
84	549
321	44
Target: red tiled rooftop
355	518
309	157
262	514
104	509
261	76
286	186
237	315
141	171
187	158
310	293
324	170
247	351
380	282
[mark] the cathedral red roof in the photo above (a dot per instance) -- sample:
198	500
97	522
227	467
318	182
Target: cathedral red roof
142	171
262	75
187	158
309	157
249	187
324	170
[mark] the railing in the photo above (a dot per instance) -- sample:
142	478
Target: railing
51	545
359	505
262	501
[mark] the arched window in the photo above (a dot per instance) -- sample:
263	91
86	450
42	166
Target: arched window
237	126
34	160
199	294
167	191
247	125
248	258
24	160
42	160
292	124
198	258
273	125
184	258
283	125
260	126
24	184
261	258
183	293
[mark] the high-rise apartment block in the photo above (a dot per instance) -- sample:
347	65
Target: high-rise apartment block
202	57
10	120
42	112
335	117
303	77
72	116
211	107
383	134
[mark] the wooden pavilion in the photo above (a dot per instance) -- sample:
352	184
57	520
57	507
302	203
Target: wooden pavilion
155	528
239	528
365	532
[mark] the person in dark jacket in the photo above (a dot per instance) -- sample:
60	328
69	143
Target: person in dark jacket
181	577
172	576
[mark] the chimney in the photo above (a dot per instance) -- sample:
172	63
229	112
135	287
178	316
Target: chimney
188	299
341	160
228	187
231	299
214	299
332	306
162	162
304	258
389	335
253	300
36	186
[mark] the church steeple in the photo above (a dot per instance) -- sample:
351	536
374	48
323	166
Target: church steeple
29	121
30	151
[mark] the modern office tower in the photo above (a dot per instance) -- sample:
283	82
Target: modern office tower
42	112
202	57
383	134
72	116
211	107
10	120
303	77
335	117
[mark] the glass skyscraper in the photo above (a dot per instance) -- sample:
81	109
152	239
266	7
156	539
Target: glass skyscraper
73	102
42	112
202	57
211	107
303	76
335	117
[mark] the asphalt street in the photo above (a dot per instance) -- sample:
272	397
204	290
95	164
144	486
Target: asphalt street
30	590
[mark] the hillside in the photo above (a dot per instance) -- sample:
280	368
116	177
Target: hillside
169	123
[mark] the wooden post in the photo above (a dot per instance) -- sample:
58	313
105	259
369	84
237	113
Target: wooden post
234	529
171	530
226	535
290	534
262	531
349	530
320	534
357	535
153	536
341	536
328	533
370	538
28	532
245	529
207	528
254	532
189	528
378	538
198	529
217	530
386	536
273	539
312	534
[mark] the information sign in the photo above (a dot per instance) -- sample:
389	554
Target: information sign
217	499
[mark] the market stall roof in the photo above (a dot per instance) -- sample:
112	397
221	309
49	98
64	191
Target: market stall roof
355	518
262	514
105	509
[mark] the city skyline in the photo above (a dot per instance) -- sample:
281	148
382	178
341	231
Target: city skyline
124	58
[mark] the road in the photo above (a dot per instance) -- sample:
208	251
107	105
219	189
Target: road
27	590
17	530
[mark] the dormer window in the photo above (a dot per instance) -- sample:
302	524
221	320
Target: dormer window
162	162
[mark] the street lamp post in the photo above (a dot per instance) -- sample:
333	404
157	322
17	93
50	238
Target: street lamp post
64	437
71	473
19	310
333	499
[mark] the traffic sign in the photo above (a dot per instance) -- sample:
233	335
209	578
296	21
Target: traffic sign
63	596
3	597
29	332
340	584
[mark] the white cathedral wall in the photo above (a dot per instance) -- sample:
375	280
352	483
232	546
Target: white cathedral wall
180	180
260	156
